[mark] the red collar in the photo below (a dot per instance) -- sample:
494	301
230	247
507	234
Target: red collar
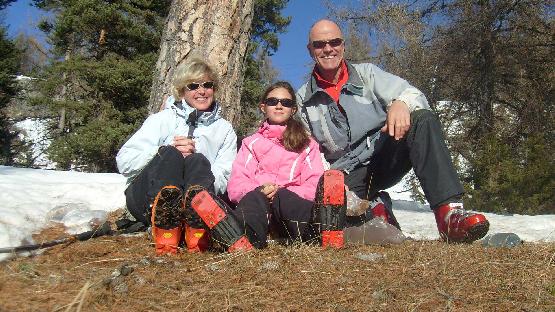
332	89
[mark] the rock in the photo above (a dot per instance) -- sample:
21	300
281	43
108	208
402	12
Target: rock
374	231
371	257
126	269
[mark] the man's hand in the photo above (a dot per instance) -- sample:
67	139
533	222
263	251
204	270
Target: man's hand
184	144
398	120
269	189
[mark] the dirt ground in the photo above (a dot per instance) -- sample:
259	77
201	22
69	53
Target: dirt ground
121	273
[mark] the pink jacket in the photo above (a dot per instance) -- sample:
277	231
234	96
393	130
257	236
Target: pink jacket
262	158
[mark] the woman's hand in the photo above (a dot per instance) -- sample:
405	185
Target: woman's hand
184	144
269	189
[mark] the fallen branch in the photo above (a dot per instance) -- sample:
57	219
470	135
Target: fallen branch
102	230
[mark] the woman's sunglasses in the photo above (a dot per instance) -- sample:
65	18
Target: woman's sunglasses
320	44
195	85
272	101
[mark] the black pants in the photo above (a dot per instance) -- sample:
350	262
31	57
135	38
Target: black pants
423	149
289	213
168	167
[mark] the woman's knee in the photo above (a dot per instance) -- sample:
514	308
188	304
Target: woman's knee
197	159
170	154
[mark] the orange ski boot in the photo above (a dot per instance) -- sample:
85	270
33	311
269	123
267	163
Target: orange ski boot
166	225
196	239
205	210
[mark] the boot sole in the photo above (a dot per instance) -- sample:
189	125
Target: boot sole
334	188
166	221
477	231
165	208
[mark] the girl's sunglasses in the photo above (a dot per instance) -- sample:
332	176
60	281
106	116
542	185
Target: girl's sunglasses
320	44
195	85
272	101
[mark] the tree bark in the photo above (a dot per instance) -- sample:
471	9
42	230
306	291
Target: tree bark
216	30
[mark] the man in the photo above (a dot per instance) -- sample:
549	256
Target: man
375	126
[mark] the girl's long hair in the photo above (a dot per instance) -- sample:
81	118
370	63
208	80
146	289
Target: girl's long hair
295	137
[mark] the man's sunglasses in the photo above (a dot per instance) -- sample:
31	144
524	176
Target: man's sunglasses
272	101
195	85
320	44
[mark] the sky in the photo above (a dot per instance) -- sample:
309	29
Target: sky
20	16
33	199
291	60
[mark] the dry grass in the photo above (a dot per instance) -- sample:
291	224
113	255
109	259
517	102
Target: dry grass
122	274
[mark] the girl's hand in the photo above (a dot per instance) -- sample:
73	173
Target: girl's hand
269	189
184	144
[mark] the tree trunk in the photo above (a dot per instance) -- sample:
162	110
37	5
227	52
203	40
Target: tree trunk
216	30
64	91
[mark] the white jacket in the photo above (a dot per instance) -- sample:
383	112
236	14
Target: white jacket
214	138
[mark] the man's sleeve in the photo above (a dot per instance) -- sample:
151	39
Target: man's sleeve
388	87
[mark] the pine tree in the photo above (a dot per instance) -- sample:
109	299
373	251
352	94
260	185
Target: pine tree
5	3
9	64
100	78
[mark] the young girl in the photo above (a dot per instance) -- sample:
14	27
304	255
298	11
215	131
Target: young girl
276	173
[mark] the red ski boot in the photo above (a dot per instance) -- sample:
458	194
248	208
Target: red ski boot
330	208
379	211
205	210
458	225
166	225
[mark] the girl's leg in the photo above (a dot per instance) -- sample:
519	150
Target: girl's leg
252	212
293	215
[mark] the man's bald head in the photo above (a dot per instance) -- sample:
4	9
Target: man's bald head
324	26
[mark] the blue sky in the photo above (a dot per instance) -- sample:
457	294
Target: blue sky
291	60
20	16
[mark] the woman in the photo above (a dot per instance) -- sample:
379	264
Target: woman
188	145
277	172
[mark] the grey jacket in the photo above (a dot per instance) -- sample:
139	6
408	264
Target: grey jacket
352	139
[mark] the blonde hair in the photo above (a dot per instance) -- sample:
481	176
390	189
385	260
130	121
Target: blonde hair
193	70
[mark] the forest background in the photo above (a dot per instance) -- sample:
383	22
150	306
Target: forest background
486	68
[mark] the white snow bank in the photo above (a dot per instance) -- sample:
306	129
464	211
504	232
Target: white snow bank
32	198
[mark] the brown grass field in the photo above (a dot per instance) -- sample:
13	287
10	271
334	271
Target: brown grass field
121	273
